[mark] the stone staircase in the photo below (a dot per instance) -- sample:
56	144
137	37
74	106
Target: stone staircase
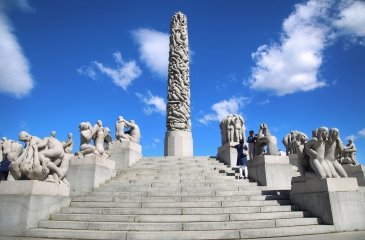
179	198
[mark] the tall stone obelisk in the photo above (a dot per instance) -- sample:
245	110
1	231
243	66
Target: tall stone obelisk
178	137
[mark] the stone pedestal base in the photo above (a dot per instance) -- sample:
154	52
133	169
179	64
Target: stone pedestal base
227	154
125	153
297	165
275	172
336	201
24	203
87	173
356	171
178	144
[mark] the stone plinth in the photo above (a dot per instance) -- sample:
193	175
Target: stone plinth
24	203
336	201
178	143
297	165
87	173
275	172
125	153
228	154
356	171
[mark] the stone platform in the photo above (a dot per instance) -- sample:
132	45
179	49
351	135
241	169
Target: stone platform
24	203
87	173
336	201
125	153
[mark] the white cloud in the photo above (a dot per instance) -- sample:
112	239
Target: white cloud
87	71
351	20
293	64
15	77
122	75
152	103
361	133
153	49
223	108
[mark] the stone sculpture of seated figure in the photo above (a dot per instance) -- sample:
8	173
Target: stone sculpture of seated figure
86	135
315	149
120	125
264	138
349	153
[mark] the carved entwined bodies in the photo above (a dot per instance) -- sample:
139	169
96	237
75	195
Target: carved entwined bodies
178	106
321	152
232	128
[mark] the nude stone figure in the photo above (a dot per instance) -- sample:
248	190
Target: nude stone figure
239	128
86	135
230	128
120	125
264	138
315	149
69	144
53	151
349	153
135	133
333	152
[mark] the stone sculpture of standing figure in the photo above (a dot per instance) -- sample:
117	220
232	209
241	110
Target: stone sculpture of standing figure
232	129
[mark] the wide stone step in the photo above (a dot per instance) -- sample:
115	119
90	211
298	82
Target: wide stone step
171	226
161	193
140	218
176	210
180	204
179	218
122	183
176	177
139	197
161	235
176	188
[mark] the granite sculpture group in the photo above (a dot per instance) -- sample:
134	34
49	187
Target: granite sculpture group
323	154
48	159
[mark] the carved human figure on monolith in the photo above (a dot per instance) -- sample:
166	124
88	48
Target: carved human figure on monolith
264	138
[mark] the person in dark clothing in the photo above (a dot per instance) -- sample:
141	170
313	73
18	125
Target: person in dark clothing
242	158
251	140
4	169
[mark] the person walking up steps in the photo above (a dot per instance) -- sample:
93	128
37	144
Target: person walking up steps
242	158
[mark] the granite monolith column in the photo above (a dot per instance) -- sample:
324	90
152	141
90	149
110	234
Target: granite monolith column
178	137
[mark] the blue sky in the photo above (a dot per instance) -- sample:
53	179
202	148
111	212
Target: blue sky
292	64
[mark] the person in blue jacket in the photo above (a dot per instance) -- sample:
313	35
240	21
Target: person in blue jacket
4	169
242	153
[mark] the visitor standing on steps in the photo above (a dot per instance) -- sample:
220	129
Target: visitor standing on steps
251	140
242	158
